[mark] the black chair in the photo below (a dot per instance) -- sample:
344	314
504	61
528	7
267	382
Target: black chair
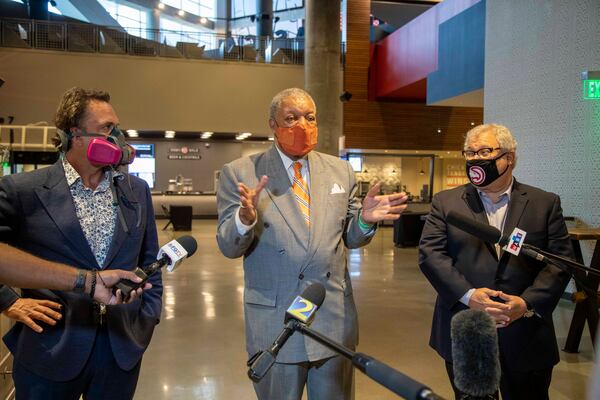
408	229
168	215
181	217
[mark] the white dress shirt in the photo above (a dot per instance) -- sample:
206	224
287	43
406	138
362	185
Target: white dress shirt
496	215
288	163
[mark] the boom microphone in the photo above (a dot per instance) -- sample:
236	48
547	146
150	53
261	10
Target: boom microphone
302	309
475	354
485	232
515	243
171	255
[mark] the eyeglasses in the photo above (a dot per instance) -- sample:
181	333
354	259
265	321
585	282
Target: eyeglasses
481	153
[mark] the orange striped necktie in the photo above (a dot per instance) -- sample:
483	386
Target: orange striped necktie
301	192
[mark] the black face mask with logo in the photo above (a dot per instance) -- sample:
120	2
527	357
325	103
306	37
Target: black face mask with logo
484	172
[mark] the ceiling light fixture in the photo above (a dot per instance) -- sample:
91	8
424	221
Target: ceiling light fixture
206	135
161	5
181	13
169	134
132	133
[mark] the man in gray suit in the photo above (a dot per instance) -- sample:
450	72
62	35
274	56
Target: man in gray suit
294	235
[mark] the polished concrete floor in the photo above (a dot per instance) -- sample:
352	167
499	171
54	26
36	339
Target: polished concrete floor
198	349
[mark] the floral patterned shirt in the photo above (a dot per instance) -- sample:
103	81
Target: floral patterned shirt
95	211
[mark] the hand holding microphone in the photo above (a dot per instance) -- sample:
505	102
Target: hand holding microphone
171	255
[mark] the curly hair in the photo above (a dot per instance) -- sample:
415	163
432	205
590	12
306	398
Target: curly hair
72	106
294	93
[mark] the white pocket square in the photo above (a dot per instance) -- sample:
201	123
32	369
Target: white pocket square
336	189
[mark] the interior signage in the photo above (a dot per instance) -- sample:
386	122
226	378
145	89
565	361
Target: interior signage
591	89
184	153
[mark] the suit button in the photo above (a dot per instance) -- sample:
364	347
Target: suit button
266	225
301	276
282	251
328	274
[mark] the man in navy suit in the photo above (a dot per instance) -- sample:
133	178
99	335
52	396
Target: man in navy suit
81	212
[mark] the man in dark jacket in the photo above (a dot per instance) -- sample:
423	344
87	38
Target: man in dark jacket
519	293
82	212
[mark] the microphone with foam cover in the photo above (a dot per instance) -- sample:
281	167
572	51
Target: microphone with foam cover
475	354
485	232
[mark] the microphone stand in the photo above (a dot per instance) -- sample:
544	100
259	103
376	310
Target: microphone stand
556	259
381	373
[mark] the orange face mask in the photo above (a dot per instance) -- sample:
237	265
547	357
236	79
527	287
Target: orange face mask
298	140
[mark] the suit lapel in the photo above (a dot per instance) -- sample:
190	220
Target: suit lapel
279	189
129	207
318	200
516	206
475	205
56	199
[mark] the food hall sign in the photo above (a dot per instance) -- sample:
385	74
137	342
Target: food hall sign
184	153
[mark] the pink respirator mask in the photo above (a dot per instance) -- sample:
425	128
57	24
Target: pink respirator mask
110	150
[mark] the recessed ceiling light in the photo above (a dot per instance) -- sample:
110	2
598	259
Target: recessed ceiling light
161	5
203	20
169	134
181	13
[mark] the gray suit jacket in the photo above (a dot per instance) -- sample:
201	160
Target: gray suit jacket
282	258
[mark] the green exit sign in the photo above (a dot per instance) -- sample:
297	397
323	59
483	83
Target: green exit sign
591	89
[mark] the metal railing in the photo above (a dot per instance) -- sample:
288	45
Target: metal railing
87	38
27	137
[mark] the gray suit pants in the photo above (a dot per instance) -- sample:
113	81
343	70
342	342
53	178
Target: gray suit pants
328	379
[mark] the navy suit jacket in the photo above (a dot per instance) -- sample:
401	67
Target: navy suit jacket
37	210
455	261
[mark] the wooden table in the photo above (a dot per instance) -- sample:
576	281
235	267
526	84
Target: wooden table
588	308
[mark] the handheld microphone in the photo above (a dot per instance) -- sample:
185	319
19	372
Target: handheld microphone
475	354
171	255
302	309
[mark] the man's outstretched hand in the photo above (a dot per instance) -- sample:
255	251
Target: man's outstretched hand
382	207
249	200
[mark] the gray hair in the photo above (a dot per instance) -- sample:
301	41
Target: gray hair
505	139
293	93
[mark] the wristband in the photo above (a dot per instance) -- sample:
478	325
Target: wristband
79	286
363	224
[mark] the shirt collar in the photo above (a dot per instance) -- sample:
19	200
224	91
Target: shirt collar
287	162
73	176
506	193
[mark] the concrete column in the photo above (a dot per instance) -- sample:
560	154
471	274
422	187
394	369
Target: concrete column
322	69
38	9
223	17
264	22
154	24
